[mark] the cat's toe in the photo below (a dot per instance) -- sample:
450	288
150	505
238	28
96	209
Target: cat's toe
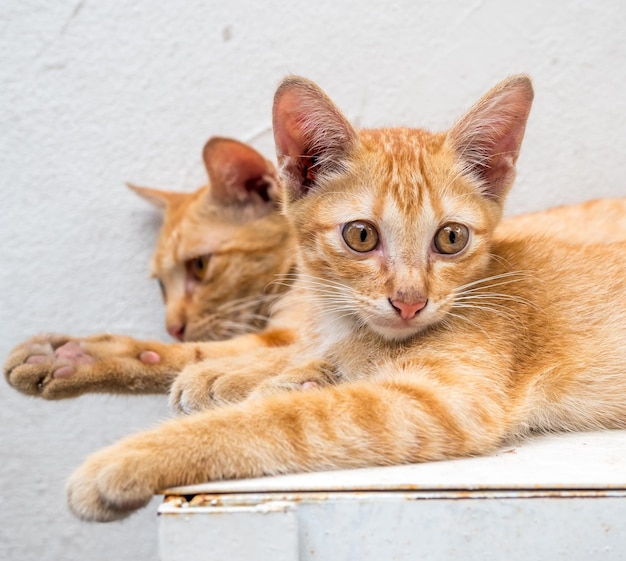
29	366
105	489
193	390
311	376
187	397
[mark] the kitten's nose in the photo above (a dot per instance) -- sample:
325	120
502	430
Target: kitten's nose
176	330
408	310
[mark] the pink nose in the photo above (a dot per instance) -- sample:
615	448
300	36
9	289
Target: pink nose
408	310
176	330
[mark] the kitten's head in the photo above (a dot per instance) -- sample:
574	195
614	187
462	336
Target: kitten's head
220	247
391	224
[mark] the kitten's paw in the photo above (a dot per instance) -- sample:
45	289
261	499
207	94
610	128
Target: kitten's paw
109	486
42	365
312	375
218	382
204	386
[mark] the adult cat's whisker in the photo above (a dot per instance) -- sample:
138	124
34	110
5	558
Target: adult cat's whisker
253	317
245	300
246	304
236	327
279	283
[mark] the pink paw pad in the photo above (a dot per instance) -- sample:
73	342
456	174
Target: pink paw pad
309	385
73	353
36	359
149	357
63	372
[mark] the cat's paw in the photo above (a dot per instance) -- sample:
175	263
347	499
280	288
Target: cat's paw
309	376
218	382
110	485
207	385
42	365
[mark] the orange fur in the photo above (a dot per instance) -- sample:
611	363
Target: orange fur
234	226
224	227
516	334
113	362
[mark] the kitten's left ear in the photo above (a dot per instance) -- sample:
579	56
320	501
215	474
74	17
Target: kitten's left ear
238	174
488	137
312	137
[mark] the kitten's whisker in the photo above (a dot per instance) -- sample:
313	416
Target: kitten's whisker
497	310
512	276
451	325
496	297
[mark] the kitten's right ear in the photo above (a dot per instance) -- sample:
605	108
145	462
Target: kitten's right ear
157	198
312	137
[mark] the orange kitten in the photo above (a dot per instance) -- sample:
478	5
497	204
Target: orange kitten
441	341
214	289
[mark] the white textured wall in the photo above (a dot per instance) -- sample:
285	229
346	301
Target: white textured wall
93	94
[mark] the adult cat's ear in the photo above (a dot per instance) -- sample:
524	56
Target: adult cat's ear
156	197
488	137
238	174
313	139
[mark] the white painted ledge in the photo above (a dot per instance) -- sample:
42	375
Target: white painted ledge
554	497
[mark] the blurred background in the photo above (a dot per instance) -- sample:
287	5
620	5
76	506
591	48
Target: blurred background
94	94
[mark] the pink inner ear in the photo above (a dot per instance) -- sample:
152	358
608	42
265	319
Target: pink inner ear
238	173
488	138
312	136
288	135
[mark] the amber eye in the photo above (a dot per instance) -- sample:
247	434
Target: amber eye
198	266
360	236
451	239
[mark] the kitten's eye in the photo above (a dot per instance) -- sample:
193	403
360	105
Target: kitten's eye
360	236
198	266
451	239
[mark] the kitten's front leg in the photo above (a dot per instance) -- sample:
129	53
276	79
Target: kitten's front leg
345	426
55	366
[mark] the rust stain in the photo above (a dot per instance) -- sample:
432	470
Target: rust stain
204	500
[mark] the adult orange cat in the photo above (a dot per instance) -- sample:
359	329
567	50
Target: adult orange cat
442	341
220	248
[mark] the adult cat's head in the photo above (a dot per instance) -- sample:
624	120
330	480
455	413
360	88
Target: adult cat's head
220	247
392	224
